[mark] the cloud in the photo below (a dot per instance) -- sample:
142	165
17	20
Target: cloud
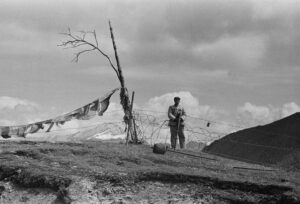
171	35
280	21
188	101
7	102
205	35
232	53
168	37
270	9
251	115
289	109
7	122
208	21
16	111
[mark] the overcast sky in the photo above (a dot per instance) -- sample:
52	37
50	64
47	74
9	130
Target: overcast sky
233	58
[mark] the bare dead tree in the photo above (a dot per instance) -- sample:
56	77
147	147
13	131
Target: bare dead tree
87	41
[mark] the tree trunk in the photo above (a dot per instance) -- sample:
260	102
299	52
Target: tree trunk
124	96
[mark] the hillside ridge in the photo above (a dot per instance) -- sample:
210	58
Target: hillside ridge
270	144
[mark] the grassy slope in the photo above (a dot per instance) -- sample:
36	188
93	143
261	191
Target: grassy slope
277	143
53	165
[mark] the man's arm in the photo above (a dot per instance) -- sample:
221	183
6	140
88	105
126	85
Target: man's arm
183	115
170	115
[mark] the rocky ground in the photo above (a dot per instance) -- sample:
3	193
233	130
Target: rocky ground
95	172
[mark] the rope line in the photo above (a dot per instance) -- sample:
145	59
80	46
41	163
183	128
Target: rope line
83	127
197	117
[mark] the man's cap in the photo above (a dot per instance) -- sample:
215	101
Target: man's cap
176	98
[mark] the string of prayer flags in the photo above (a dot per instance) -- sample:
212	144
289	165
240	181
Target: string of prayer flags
97	107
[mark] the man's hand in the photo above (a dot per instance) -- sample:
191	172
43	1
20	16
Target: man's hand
179	118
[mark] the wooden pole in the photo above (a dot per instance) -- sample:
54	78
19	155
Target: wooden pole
131	124
121	77
123	93
132	99
127	134
134	135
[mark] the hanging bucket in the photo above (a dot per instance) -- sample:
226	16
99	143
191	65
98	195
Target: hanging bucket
160	148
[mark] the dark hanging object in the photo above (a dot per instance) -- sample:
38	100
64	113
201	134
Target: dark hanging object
208	124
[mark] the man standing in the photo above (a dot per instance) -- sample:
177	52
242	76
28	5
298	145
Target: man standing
177	115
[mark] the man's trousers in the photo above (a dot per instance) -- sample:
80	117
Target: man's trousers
180	131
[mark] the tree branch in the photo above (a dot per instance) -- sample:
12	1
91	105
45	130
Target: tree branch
76	58
76	41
